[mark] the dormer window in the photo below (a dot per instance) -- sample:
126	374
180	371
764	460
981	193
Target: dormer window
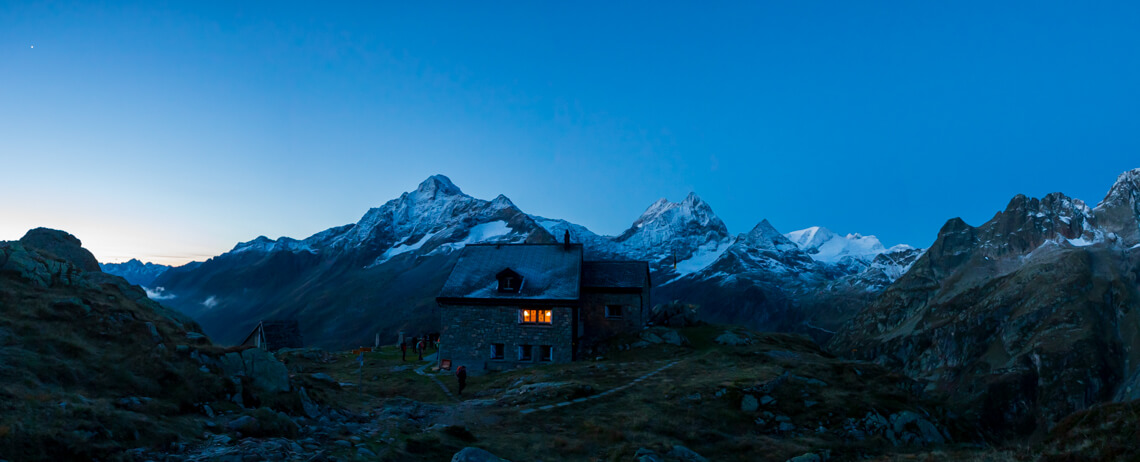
509	281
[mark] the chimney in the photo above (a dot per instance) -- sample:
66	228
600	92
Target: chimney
566	239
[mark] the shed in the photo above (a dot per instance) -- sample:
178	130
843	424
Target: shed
275	335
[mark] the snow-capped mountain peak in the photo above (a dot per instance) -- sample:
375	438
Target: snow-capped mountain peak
828	247
765	236
811	238
435	186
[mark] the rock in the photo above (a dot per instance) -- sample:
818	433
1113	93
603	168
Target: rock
343	443
663	335
244	424
61	245
695	397
311	409
153	333
646	455
732	339
195	336
749	403
208	410
322	377
786	427
766	400
685	454
470	454
364	452
265	371
927	433
808	457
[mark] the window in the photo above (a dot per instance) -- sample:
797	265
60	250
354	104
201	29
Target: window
509	281
535	316
526	352
545	353
497	351
613	311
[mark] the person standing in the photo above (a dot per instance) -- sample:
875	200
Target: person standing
461	374
404	350
421	348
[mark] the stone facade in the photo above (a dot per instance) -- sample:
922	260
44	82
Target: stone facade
595	326
469	331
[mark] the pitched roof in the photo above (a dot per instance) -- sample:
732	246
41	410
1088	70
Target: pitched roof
276	335
615	274
282	334
549	271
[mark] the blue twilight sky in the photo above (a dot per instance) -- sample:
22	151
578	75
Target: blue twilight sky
171	131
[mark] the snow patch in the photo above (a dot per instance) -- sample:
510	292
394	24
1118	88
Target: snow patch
702	258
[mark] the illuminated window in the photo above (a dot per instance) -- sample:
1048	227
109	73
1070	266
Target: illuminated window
497	350
526	352
535	316
545	353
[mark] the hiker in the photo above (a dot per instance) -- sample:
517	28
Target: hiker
461	374
421	348
404	350
415	342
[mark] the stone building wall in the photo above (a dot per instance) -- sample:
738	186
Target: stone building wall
597	327
469	331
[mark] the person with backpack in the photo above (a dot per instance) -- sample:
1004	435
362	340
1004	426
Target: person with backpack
461	374
404	350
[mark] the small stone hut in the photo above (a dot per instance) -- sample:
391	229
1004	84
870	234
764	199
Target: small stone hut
511	305
275	335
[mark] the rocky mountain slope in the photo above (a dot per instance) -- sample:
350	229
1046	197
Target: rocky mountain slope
381	274
135	271
1023	320
348	283
90	367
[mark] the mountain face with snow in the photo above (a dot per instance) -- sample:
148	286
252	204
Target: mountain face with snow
1023	320
381	274
806	281
348	283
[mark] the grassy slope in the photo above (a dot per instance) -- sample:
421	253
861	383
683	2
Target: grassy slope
660	412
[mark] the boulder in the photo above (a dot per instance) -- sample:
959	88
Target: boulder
59	244
470	454
685	454
647	455
244	424
266	373
749	404
663	335
732	339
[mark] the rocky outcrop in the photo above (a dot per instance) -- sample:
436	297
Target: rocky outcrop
62	246
1021	321
265	372
476	455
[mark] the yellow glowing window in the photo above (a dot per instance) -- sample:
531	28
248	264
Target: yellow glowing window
536	316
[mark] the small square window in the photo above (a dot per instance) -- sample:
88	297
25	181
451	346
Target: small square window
545	353
497	351
613	311
526	353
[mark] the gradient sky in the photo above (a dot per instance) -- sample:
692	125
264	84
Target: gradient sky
172	131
